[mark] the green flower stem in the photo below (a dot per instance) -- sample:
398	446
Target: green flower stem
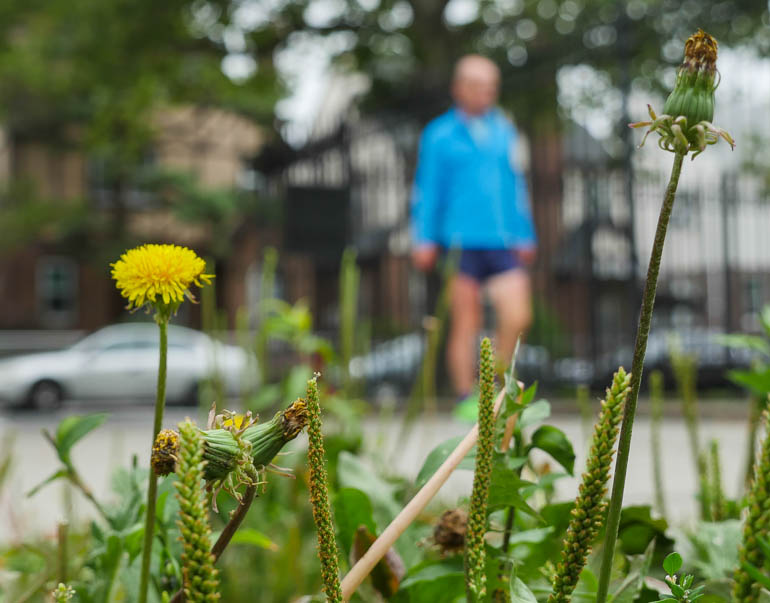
588	512
745	589
642	333
475	553
152	489
719	512
319	498
656	422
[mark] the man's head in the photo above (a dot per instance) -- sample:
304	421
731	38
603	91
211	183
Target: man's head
475	84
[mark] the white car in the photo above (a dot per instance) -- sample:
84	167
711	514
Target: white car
120	362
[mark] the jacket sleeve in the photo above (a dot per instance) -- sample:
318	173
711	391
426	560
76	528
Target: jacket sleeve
426	194
524	227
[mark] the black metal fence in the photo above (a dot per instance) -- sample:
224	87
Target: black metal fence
595	239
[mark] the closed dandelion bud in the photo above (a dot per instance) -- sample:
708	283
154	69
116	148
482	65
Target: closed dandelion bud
588	513
475	552
689	110
693	94
199	575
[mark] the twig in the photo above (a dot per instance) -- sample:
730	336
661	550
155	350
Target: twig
409	513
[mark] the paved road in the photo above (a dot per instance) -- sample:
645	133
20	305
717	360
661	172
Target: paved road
127	433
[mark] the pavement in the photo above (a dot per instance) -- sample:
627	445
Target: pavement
127	433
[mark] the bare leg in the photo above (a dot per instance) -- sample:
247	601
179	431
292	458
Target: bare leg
465	300
511	295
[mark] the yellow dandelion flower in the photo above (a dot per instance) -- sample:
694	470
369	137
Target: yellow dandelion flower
158	274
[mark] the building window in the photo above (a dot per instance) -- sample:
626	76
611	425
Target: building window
57	291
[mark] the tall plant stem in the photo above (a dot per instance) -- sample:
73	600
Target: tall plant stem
642	333
152	489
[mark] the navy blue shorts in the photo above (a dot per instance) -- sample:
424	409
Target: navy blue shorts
480	264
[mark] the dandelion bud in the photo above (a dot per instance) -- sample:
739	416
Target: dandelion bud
221	449
686	121
693	94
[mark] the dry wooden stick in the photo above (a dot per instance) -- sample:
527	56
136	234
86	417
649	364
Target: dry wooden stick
409	513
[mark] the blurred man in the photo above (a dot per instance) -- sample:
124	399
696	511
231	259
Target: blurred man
468	195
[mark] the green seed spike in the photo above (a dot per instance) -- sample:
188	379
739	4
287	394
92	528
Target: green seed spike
745	589
319	497
201	581
62	593
475	554
588	513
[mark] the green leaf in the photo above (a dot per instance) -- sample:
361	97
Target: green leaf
631	586
756	381
438	455
504	488
72	429
672	563
352	508
51	478
437	582
133	540
553	441
254	538
520	592
747	342
352	473
534	413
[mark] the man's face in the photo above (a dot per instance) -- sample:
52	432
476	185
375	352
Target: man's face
475	88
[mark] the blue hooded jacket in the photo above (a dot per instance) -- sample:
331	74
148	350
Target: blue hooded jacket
467	193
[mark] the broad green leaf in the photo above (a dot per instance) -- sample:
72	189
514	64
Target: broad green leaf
553	441
254	538
757	381
51	478
438	455
534	413
352	508
672	563
520	592
632	584
430	571
533	536
505	486
72	429
133	540
748	342
352	473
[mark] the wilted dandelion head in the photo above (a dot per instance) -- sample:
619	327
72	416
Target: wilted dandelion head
164	452
159	275
294	418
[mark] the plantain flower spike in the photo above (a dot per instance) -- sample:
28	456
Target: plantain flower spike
475	552
201	581
319	497
689	110
745	588
589	510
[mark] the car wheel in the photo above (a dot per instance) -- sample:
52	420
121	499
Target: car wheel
45	395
